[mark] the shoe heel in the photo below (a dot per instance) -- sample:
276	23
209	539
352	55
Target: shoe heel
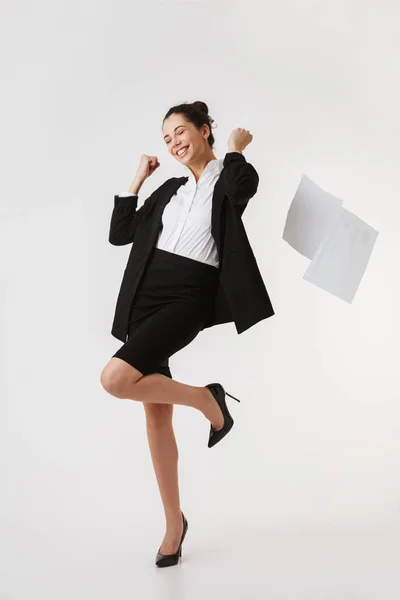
230	395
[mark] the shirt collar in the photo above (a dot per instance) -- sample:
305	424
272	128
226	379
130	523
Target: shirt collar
213	167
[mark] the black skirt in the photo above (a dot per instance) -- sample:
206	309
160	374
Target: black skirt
169	309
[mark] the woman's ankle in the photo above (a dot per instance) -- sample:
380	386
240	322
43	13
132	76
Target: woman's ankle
174	516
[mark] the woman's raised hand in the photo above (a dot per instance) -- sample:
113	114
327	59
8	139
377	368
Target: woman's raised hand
147	166
239	139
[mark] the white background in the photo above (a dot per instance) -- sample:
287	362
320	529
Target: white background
302	499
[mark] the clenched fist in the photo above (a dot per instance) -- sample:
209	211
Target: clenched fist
239	139
147	166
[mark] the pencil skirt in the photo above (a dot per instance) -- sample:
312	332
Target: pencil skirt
171	304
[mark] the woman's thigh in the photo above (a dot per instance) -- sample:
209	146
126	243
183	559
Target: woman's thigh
162	334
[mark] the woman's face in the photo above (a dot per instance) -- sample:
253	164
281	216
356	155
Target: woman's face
179	133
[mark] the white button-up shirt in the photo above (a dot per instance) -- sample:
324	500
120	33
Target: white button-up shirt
186	218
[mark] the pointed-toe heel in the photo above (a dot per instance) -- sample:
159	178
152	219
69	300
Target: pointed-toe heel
218	392
168	560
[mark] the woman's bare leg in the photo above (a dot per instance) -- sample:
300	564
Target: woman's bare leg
123	381
158	394
164	455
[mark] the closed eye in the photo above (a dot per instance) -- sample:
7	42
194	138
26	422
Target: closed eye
178	134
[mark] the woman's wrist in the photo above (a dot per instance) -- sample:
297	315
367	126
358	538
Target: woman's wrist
136	185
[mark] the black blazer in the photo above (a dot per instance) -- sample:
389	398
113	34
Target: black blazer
241	295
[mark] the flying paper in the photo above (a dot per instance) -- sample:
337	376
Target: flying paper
311	216
340	262
338	242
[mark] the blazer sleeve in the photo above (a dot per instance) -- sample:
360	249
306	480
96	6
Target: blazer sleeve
240	178
125	217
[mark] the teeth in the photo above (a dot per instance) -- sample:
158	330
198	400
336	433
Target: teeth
182	151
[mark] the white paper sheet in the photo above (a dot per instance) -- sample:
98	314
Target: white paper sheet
311	215
343	256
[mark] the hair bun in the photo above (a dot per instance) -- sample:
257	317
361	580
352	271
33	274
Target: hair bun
201	106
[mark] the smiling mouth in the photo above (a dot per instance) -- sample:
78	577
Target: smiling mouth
182	153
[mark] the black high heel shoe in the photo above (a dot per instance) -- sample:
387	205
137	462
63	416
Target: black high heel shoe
218	392
167	560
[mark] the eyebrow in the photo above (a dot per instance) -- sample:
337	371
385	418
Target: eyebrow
174	130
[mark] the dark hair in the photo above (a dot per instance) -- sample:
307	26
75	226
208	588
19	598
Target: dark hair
196	113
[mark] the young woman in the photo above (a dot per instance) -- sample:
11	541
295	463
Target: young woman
172	284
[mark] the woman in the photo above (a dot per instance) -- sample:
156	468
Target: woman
173	301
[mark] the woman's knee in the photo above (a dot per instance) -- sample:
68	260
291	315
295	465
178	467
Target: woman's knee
117	376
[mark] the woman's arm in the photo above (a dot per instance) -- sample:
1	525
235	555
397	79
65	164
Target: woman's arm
240	178
125	218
